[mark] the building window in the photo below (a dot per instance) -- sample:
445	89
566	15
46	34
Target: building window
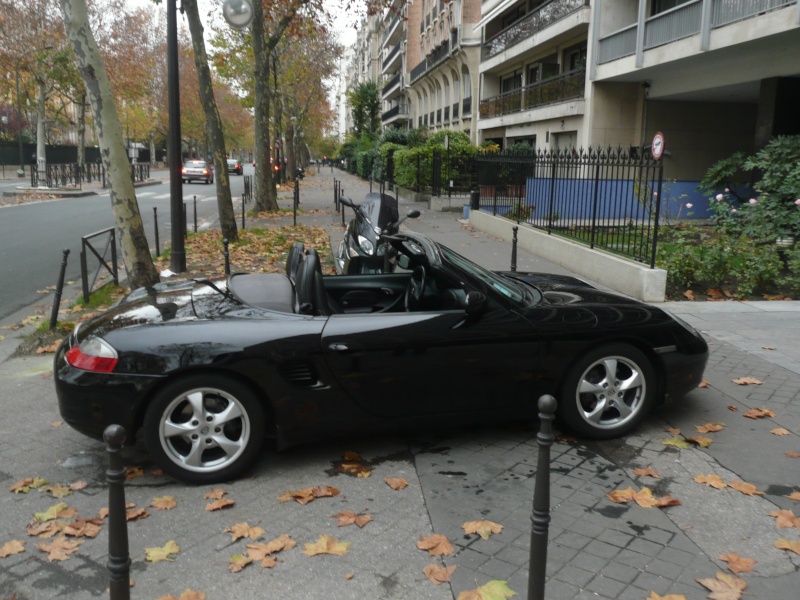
511	82
575	57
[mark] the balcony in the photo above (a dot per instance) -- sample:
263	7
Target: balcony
387	33
395	113
391	83
532	23
439	53
568	86
394	52
680	22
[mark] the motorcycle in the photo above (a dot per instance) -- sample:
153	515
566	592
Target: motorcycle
365	247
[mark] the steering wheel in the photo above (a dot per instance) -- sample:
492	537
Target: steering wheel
415	288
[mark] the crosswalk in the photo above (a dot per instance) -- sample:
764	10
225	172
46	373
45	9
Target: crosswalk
186	197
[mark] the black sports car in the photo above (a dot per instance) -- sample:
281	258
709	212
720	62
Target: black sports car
205	370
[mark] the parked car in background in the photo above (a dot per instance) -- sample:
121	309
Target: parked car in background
234	166
203	371
197	170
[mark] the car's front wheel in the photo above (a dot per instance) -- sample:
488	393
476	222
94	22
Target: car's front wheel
608	391
204	429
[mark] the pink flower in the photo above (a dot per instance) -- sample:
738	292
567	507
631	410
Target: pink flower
727	191
655	193
720	197
753	201
688	205
797	202
733	210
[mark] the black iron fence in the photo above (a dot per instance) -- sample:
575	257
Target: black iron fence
73	174
89	244
603	197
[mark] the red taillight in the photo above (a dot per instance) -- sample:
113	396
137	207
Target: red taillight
93	354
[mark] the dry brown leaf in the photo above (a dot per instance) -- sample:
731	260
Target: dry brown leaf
745	488
81	527
483	528
700	440
243	530
306	495
187	594
327	545
214	494
164	503
165	552
621	496
48	349
12	547
747	381
733	407
44	530
58	490
220	504
709	427
758	413
738	564
436	545
238	562
349	576
657	596
351	455
793	496
702	384
714	481
133	473
785	518
784	544
354	468
348	517
673	430
780	431
647	472
438	574
714	294
768	347
27	484
667	501
60	548
396	483
792	454
492	590
689	294
724	587
78	485
134	514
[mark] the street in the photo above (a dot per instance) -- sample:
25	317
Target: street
39	232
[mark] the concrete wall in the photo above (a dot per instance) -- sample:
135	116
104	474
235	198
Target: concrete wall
625	276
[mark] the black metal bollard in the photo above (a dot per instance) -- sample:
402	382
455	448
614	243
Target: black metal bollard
336	195
341	192
515	229
242	211
59	290
540	519
195	214
119	561
155	226
185	221
475	200
227	257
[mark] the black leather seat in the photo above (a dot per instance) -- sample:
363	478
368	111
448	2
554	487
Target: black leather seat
311	296
296	253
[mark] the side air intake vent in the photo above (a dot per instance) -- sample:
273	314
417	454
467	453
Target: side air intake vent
300	373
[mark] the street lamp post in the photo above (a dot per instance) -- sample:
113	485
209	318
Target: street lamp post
177	217
21	170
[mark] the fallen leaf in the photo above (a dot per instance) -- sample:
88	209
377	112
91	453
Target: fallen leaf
645	498
51	513
657	596
709	427
724	587
768	347
349	576
133	473
745	488
793	496
354	468
667	501
700	440
48	349
714	481
327	545
784	544
792	454
165	552
689	294
351	455
676	441
648	472
60	548
348	517
780	431
238	562
306	495
438	574
12	547
27	484
220	504
785	518
567	439
758	413
492	590
714	294
747	381
483	528
673	430
396	483
215	494
243	530
58	490
78	485
44	530
81	527
732	407
164	503
134	514
738	564
702	384
436	545
621	496
187	594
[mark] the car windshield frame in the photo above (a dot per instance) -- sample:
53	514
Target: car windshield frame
507	288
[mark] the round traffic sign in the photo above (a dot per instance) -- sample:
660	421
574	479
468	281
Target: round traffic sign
657	148
238	13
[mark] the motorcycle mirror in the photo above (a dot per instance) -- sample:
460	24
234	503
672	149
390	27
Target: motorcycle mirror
412	214
347	202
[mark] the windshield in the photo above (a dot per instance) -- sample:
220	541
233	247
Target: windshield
503	285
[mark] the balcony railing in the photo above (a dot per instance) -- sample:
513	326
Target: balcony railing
392	53
390	27
680	22
393	112
438	55
391	83
466	106
527	26
568	86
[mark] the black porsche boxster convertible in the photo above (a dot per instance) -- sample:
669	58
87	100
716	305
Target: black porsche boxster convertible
206	370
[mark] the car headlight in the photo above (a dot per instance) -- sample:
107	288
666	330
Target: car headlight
366	245
684	324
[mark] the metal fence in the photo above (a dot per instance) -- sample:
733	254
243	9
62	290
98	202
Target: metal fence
605	198
440	173
73	174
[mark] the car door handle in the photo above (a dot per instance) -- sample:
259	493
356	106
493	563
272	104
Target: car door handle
338	347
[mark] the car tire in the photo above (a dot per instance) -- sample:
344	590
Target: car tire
601	404
204	428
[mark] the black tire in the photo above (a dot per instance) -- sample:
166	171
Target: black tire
602	407
174	430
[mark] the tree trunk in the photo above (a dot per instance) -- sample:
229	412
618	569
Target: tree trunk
82	132
130	231
41	154
227	216
265	199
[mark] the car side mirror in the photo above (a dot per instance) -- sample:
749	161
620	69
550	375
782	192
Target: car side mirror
475	303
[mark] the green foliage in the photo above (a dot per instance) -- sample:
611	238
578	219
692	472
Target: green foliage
417	137
364	102
778	165
394	136
727	174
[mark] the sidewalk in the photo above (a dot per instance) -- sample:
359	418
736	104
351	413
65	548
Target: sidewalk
598	549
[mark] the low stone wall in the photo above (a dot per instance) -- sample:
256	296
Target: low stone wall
625	276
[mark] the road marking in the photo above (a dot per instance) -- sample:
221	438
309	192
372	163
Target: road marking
141	194
162	196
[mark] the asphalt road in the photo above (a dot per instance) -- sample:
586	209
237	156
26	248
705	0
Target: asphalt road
33	236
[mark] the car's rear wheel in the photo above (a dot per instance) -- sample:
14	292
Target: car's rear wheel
204	429
608	391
